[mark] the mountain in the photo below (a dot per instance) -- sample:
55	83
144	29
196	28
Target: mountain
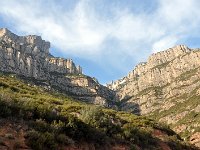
32	117
166	88
29	58
48	103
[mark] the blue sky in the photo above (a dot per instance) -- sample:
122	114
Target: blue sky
106	37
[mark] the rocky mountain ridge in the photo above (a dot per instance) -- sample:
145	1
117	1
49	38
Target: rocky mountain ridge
25	55
154	64
167	88
29	56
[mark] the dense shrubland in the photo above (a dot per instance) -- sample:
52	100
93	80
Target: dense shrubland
56	120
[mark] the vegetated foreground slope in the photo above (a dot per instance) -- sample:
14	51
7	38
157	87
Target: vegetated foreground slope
32	118
167	88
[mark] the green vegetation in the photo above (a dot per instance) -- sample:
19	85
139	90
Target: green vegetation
75	75
157	90
184	105
163	65
56	120
192	101
186	75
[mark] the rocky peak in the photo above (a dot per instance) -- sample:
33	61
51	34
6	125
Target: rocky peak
167	55
3	31
161	58
29	56
30	49
26	43
156	60
166	86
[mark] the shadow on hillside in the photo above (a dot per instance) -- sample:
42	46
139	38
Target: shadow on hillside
126	104
131	107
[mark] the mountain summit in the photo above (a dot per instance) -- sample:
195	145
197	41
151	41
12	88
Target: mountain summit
167	88
28	55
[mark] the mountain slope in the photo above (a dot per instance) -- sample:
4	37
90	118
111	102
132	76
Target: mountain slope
167	88
32	117
39	107
29	57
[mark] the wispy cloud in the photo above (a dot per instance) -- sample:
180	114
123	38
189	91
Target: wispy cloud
93	30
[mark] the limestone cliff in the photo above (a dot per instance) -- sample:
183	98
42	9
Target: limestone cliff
29	56
166	87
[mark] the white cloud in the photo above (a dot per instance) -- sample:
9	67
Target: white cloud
179	19
80	28
164	43
74	31
179	11
84	32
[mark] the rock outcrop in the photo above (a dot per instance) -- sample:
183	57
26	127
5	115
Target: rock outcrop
165	87
29	56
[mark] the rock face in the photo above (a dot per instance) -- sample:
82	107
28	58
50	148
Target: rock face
166	87
29	56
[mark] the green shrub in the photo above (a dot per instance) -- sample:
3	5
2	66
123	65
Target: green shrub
92	115
41	126
5	111
64	140
41	141
17	145
49	142
4	85
14	89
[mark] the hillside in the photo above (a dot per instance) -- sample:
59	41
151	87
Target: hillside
166	88
29	56
48	103
32	117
